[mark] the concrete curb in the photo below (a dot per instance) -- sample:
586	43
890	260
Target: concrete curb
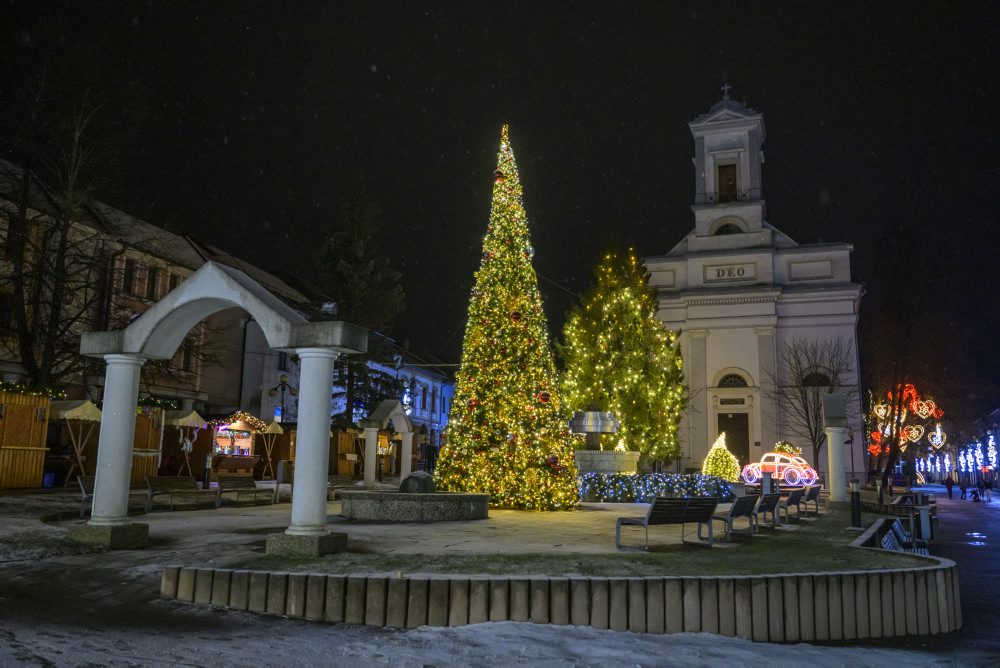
786	608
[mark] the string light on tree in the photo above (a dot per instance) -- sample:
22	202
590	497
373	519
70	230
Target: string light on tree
507	433
619	356
720	462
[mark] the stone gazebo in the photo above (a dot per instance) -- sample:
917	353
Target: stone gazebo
390	410
156	334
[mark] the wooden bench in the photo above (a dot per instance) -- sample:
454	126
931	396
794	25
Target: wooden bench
812	496
743	506
672	511
86	483
907	539
182	487
768	504
794	498
239	485
335	482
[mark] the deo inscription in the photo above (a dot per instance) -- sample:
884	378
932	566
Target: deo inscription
730	272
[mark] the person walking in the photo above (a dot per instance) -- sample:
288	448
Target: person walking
949	483
962	486
989	487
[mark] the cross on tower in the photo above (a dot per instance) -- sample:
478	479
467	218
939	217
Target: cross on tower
725	91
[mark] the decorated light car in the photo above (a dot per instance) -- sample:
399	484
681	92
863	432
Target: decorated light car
792	469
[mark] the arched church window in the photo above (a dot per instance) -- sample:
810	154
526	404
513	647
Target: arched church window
816	379
733	380
728	228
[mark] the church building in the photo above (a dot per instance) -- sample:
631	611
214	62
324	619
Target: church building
742	293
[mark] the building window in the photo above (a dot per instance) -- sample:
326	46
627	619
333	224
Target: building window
733	380
816	379
128	277
423	398
187	355
175	280
152	278
6	313
282	361
727	183
729	228
434	401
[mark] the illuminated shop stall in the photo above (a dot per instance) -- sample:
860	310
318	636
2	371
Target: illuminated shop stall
234	444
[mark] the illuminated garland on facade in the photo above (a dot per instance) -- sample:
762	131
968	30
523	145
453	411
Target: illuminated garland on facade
17	388
507	434
251	420
625	488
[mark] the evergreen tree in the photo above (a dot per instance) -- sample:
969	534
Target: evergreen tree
720	462
619	357
367	293
507	434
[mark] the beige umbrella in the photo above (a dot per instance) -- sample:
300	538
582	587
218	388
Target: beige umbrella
80	415
188	424
269	435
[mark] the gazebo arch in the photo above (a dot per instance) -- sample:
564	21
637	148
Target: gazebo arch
390	410
156	334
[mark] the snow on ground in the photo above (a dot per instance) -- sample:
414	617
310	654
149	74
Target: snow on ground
62	607
257	641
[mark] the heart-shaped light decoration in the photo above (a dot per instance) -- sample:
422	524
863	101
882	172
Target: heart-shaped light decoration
937	437
924	408
914	432
881	410
876	437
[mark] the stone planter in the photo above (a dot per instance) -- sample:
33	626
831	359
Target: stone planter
607	461
366	506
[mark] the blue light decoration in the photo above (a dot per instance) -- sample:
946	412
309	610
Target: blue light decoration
630	488
947	462
991	451
963	464
979	455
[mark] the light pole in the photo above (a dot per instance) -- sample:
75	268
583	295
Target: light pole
283	387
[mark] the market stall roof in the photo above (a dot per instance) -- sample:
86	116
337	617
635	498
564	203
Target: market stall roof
186	419
79	409
239	421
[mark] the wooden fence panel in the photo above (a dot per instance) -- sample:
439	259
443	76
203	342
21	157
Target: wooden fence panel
23	430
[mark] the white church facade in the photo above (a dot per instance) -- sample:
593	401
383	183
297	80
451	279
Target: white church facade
740	292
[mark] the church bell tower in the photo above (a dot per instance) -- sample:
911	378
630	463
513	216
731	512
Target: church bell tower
728	157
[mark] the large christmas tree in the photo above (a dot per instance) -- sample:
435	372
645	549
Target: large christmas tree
620	358
507	435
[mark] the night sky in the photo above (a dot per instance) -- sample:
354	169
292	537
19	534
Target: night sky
241	122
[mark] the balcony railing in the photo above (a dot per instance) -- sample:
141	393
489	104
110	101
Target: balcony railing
724	196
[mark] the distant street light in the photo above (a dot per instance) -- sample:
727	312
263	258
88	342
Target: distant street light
283	387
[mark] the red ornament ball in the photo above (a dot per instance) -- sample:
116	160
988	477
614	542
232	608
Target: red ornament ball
515	316
553	460
497	176
473	402
544	397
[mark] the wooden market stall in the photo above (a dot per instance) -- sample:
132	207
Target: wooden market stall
23	431
147	445
82	420
234	444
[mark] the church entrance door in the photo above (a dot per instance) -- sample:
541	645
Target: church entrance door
737	428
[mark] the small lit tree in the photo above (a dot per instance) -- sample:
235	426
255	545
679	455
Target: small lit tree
720	462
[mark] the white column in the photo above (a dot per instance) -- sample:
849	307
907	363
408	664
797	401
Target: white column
835	461
114	449
406	456
371	455
312	447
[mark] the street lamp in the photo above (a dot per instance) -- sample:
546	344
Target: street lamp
283	387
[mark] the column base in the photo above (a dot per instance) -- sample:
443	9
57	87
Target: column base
132	536
287	545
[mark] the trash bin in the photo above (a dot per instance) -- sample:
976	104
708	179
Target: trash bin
49	479
285	470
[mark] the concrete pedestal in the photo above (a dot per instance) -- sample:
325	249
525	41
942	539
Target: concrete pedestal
132	536
315	545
